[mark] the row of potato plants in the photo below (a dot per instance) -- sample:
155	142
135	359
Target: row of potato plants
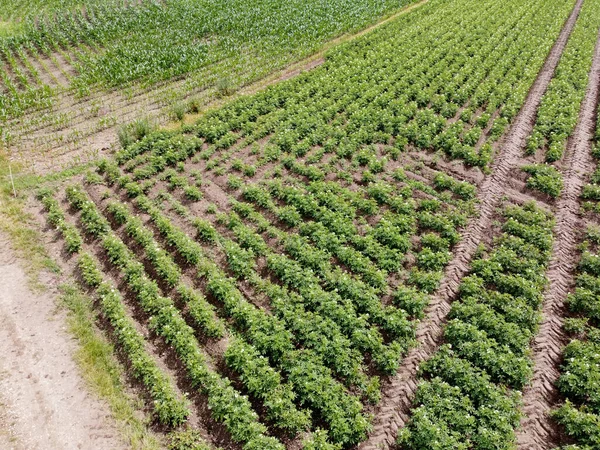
202	312
332	196
241	257
259	379
339	410
580	413
470	391
169	408
591	191
559	110
365	254
580	370
390	258
385	194
226	404
56	218
313	381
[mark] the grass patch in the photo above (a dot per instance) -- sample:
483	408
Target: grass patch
9	28
103	372
17	222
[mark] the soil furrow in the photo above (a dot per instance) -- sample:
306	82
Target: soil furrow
538	431
44	76
393	411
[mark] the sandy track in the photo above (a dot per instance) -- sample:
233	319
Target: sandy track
393	411
45	404
538	431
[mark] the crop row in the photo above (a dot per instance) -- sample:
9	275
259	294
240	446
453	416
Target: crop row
338	309
559	110
338	207
258	377
170	40
591	191
580	371
450	89
470	391
304	368
169	409
302	287
339	410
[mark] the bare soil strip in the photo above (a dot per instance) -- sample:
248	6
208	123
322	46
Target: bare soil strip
393	411
538	430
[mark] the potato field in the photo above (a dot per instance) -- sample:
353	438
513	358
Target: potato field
393	243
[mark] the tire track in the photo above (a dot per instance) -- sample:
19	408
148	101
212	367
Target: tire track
393	411
538	430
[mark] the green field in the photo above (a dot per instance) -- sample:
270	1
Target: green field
383	250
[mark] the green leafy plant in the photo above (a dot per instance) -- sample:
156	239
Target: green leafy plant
544	178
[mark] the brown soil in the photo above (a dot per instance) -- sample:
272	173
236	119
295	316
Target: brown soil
309	66
42	73
45	404
538	431
50	71
393	411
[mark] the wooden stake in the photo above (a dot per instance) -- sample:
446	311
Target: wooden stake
12	180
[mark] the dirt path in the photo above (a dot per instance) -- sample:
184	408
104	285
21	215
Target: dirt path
393	411
538	430
44	403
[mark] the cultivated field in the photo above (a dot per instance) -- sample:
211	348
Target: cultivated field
391	244
85	67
